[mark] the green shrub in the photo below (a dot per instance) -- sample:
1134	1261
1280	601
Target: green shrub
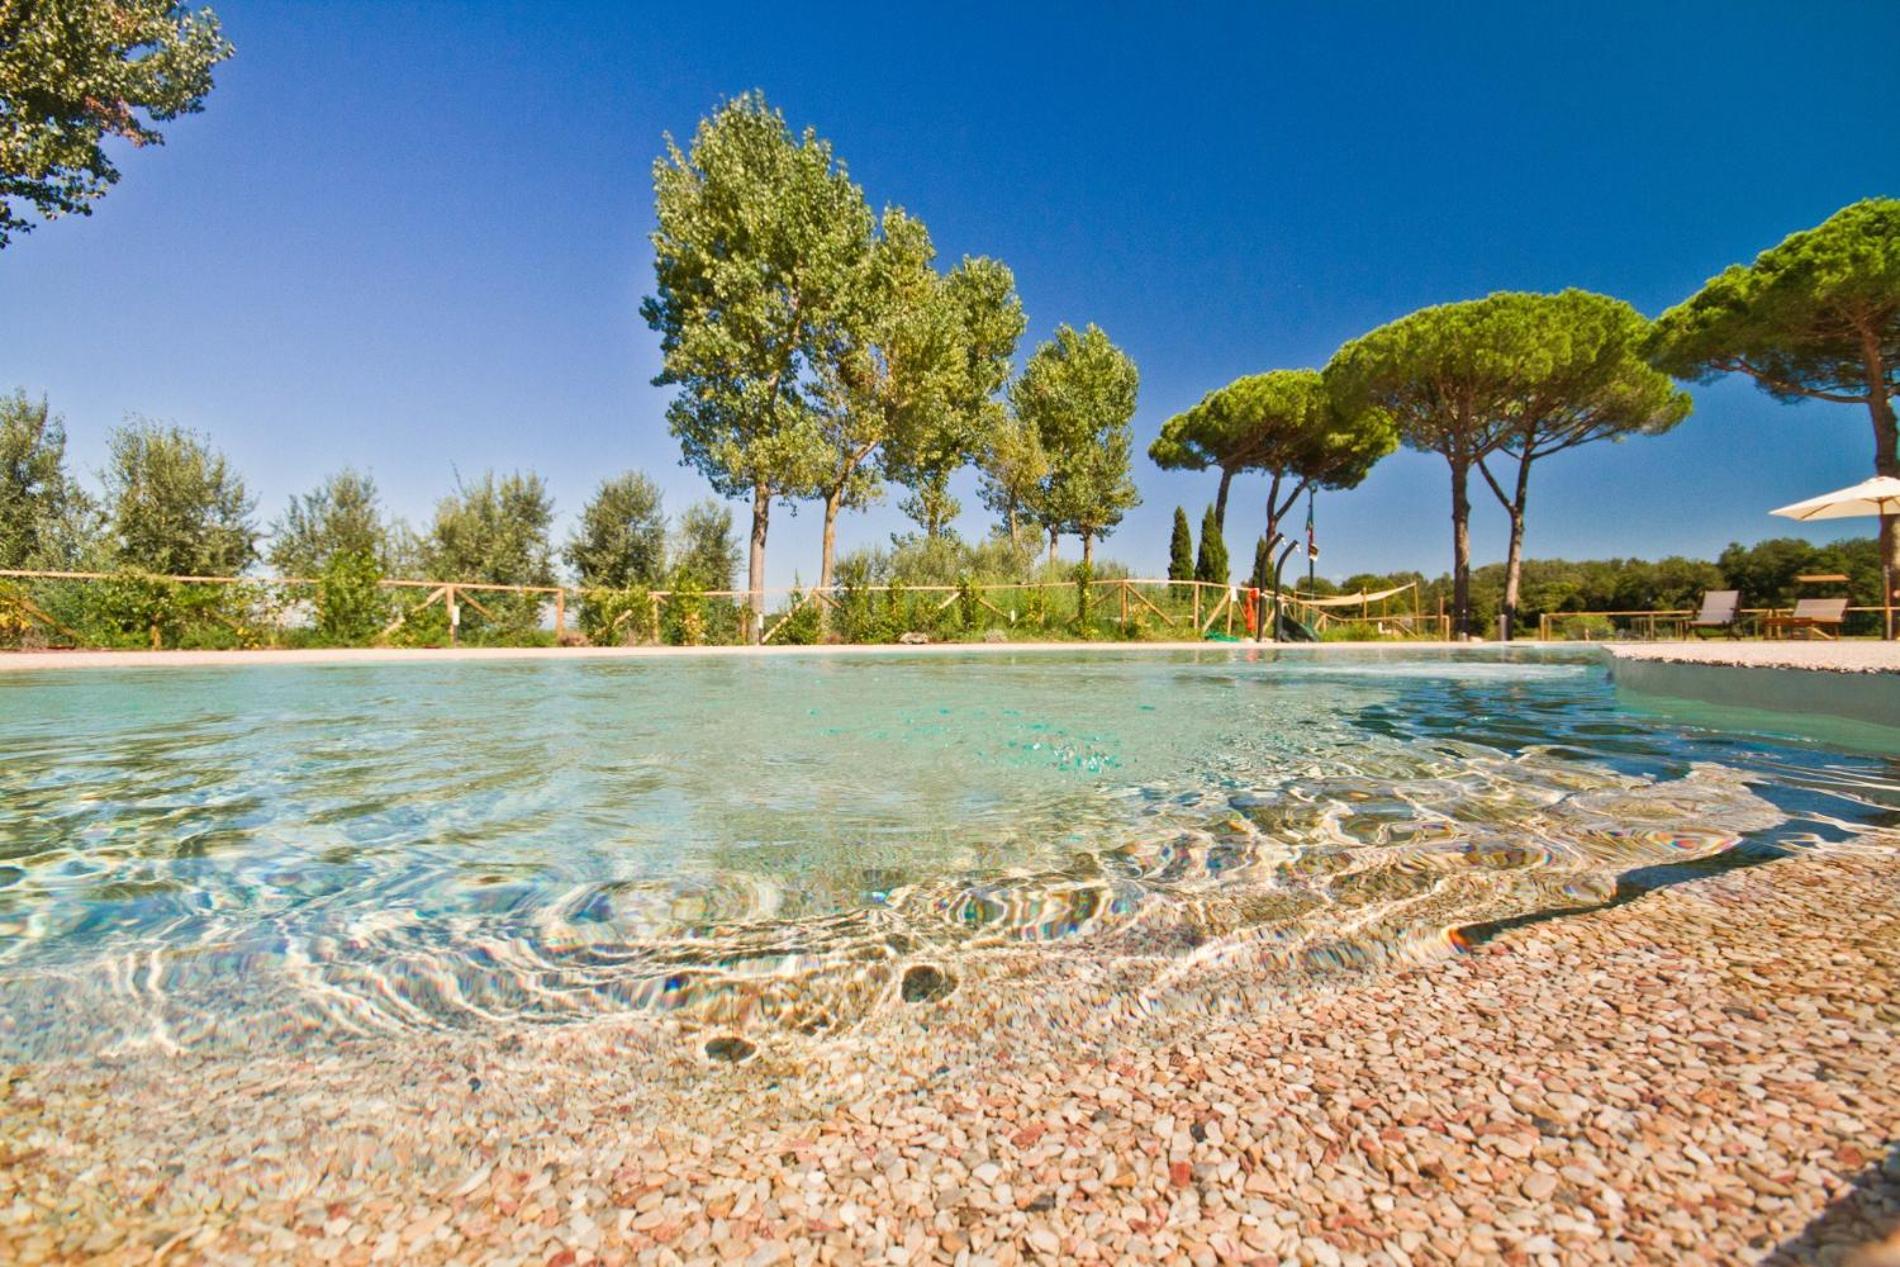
684	616
1585	628
1036	606
617	617
798	625
352	605
1084	598
1350	631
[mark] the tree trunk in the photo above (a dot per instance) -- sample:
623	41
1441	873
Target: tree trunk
1220	500
1514	556
829	549
1053	534
755	564
1273	512
1886	456
1088	550
1460	548
1015	533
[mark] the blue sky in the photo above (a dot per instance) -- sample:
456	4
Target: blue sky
412	236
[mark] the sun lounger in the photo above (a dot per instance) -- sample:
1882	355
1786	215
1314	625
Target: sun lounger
1811	618
1719	611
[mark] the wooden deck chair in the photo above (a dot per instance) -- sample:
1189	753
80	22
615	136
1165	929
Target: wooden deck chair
1811	618
1720	608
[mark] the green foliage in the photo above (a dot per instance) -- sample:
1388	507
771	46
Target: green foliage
1078	391
75	72
136	608
617	617
984	321
46	520
909	375
1286	423
1036	607
1211	565
352	606
684	618
1524	373
1584	628
1803	317
1084	575
1181	549
1765	571
1816	316
802	622
860	611
760	236
706	548
495	532
174	505
1014	468
970	607
1351	631
620	541
341	516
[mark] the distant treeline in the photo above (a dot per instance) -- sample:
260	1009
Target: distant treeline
1764	573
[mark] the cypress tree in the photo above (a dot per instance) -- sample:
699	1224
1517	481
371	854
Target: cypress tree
1211	565
1181	549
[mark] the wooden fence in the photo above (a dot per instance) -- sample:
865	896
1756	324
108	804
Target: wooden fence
1182	609
1669	624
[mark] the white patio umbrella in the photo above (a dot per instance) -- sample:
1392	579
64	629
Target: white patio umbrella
1877	496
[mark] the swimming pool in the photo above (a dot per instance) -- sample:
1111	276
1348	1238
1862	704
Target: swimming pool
196	855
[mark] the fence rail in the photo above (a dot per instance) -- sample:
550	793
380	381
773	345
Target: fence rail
1669	623
264	610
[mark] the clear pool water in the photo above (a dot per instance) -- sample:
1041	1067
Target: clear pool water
194	854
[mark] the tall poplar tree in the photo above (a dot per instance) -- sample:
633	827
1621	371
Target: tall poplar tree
760	234
1078	390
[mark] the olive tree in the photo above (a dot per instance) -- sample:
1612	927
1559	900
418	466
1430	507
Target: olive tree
620	540
1816	317
45	517
75	72
704	548
760	234
174	505
341	516
495	532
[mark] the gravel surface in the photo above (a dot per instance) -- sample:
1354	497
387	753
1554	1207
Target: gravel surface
1709	1073
1831	657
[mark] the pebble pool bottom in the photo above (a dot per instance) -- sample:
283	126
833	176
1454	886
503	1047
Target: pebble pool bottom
197	856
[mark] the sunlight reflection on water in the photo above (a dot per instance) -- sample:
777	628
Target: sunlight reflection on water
324	850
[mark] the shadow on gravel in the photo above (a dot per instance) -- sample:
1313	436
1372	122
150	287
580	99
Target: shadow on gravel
1631	885
1869	1212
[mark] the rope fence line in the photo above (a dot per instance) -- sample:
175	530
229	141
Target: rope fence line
1204	603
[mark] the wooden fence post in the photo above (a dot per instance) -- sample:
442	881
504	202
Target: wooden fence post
560	613
455	612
